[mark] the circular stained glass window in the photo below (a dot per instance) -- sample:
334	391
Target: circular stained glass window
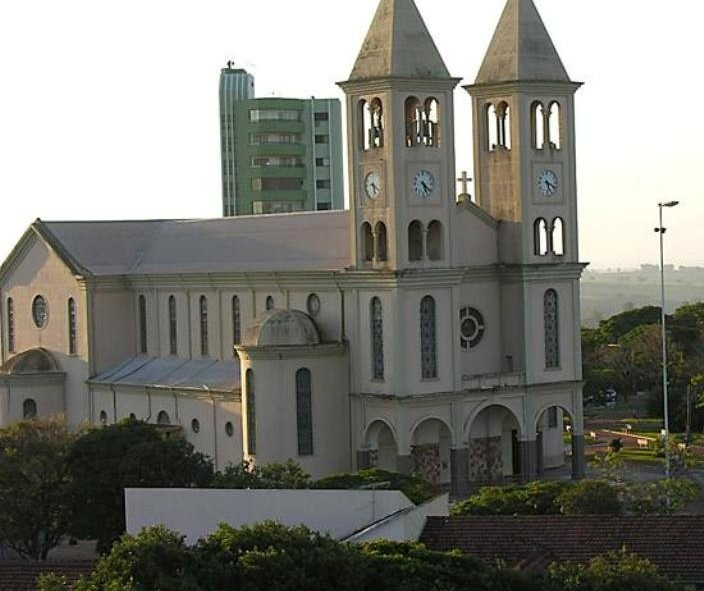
40	313
471	328
313	305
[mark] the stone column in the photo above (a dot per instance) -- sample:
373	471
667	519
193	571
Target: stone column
529	460
459	470
364	459
579	463
404	464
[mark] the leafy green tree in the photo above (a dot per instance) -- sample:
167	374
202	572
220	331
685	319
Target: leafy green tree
591	497
535	498
34	485
106	460
661	497
414	486
287	475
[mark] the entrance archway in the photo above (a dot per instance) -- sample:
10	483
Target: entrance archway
494	445
381	443
431	445
556	442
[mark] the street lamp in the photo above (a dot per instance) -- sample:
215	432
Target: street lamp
661	230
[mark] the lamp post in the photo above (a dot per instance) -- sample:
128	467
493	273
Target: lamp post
661	230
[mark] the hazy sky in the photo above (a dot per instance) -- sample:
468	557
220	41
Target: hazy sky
109	110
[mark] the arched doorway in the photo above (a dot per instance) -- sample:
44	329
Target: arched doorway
494	445
431	445
381	443
555	442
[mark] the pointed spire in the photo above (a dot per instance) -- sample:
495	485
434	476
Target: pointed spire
398	45
521	49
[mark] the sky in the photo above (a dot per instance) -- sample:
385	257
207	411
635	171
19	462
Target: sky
109	110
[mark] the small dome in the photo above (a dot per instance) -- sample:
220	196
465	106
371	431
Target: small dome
282	328
32	361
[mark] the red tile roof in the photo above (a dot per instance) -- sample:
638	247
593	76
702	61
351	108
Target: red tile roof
22	576
675	544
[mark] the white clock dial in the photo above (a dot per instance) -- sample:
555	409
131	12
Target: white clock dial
547	183
423	184
372	185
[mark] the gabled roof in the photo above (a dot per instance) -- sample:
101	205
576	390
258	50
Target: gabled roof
534	542
398	45
521	49
312	241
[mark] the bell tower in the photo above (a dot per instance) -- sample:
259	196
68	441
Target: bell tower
401	144
524	141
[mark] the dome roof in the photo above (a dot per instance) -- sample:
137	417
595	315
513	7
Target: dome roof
32	361
282	328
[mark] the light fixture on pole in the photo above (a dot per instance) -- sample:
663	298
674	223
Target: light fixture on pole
661	230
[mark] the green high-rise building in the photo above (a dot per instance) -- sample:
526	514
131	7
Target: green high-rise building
278	155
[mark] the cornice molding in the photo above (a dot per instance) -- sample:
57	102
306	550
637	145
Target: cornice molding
292	352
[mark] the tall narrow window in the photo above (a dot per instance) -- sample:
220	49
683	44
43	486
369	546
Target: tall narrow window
492	126
431	123
376	138
428	339
381	242
377	325
414	122
538	125
270	302
367	242
142	325
204	349
415	241
173	327
503	126
236	322
554	125
540	237
72	333
365	125
251	414
558	236
304	412
552	329
10	325
29	409
435	241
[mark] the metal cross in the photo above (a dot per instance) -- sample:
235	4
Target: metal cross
465	180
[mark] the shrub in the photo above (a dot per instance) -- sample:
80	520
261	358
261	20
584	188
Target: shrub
414	487
536	498
591	497
662	496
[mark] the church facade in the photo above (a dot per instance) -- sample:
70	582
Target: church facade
417	331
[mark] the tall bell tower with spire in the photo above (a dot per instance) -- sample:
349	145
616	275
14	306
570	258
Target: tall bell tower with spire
401	144
524	140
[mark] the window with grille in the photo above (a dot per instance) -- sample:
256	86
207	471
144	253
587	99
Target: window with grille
173	327
304	412
236	321
552	329
428	339
377	321
142	324
72	332
251	413
10	325
204	349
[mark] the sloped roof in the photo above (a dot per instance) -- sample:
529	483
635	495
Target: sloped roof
521	49
306	241
398	45
22	576
174	372
675	544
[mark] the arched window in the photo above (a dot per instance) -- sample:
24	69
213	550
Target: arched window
236	321
173	327
29	409
503	126
10	325
431	122
163	418
428	339
415	241
269	302
367	242
435	241
382	254
414	120
554	126
540	237
377	330
558	236
203	311
492	126
365	125
103	418
142	324
304	412
376	139
552	329
251	413
72	333
538	125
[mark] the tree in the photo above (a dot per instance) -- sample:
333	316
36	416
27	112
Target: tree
414	487
287	475
535	498
591	497
34	485
106	460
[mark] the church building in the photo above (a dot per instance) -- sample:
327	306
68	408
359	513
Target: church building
416	331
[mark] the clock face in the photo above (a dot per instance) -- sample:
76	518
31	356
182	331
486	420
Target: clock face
547	183
423	184
372	185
